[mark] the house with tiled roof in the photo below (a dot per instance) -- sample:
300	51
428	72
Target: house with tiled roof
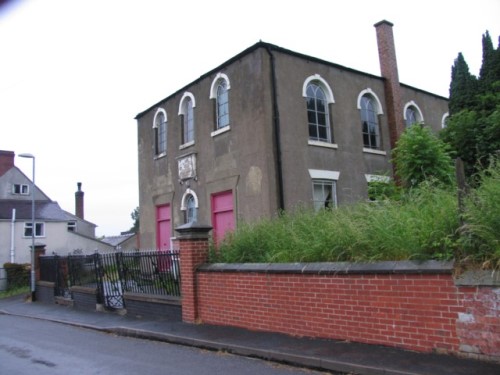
57	230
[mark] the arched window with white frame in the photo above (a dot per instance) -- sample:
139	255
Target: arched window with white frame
370	108
318	96
220	92
444	120
189	205
412	114
160	132
186	111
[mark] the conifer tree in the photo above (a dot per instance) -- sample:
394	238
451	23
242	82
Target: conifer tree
473	129
463	86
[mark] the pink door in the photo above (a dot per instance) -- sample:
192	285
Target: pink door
163	234
222	214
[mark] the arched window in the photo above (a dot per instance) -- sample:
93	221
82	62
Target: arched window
189	205
370	108
444	120
318	97
186	110
220	92
160	132
412	114
190	209
222	105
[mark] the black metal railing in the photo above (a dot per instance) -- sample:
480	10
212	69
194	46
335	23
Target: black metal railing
146	272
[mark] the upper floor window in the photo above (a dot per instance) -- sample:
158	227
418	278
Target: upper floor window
160	132
20	189
444	120
186	111
318	97
370	108
39	229
220	92
412	114
72	226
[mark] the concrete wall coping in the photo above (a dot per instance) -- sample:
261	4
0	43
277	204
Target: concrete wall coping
479	278
152	298
333	268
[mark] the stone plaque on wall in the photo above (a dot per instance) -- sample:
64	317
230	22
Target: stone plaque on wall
187	167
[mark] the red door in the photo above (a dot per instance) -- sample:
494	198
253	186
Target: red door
222	214
163	234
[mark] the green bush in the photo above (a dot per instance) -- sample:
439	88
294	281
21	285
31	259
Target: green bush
18	275
421	226
480	238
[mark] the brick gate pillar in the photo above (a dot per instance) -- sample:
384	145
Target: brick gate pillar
193	249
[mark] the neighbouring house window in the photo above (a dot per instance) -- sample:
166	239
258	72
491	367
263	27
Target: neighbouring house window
39	229
324	194
186	111
317	114
369	122
72	226
222	105
412	114
160	132
20	189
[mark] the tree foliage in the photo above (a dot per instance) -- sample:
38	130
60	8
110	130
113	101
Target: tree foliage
473	129
421	156
135	217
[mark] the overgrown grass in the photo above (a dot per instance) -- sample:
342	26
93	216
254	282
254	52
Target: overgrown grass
424	224
15	291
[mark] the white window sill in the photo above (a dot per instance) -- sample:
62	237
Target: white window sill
322	144
156	157
220	131
372	151
186	145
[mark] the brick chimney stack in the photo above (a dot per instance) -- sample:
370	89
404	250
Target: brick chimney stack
6	161
389	71
79	202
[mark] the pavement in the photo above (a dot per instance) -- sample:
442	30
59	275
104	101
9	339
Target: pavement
327	355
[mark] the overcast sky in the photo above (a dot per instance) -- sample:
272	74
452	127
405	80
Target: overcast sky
74	73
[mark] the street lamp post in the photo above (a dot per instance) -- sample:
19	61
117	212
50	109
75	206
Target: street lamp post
33	275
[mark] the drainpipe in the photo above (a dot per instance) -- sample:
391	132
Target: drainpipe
277	133
12	237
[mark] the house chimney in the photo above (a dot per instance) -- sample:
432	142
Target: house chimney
6	161
389	71
79	201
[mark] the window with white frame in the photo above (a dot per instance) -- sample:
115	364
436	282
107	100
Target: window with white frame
318	98
186	111
160	132
189	205
219	91
412	114
21	189
39	229
324	186
72	226
370	108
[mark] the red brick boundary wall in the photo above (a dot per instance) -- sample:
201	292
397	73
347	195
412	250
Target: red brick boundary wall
411	305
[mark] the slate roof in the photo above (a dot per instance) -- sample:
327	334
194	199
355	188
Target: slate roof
44	210
117	240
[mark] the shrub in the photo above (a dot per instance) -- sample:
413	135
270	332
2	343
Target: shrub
481	230
18	275
420	226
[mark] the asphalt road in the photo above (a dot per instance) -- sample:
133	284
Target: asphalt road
31	346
